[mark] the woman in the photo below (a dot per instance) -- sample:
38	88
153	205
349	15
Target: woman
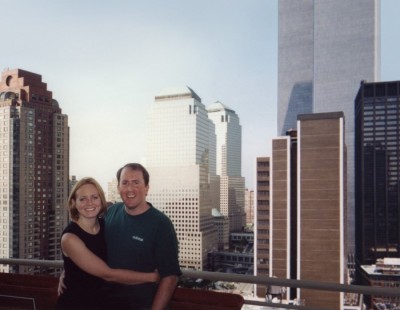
84	251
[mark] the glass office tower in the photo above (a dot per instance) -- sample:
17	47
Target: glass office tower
377	108
325	48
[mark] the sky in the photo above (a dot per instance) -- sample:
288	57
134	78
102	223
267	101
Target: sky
105	61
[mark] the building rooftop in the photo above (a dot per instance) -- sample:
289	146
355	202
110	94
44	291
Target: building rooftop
177	93
385	266
216	213
218	106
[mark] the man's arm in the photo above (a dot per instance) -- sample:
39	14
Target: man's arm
164	293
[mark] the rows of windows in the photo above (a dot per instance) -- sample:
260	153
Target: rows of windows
262	164
262	183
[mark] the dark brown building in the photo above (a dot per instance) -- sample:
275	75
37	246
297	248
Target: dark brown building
308	207
322	246
284	208
263	205
34	168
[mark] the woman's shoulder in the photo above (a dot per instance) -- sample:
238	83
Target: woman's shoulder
72	227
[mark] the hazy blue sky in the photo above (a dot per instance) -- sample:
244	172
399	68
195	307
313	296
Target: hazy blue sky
105	61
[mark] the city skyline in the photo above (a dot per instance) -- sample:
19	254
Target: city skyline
105	63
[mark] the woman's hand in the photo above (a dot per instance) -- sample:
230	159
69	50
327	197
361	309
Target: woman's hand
61	285
156	276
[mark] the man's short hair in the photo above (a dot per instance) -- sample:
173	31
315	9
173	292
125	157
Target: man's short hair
137	167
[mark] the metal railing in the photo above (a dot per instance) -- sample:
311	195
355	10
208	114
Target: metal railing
240	278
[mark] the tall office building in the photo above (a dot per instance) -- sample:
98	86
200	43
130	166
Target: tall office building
321	206
325	48
262	225
34	168
308	207
377	108
181	159
283	213
229	163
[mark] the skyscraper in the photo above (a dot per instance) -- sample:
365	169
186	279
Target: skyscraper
283	214
308	213
261	265
377	107
229	163
181	154
321	206
34	168
325	48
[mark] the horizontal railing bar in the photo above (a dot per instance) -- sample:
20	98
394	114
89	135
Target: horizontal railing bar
229	277
32	262
279	305
265	280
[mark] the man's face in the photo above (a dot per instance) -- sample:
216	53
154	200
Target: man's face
133	191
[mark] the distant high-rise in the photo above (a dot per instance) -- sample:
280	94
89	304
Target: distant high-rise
249	207
34	158
229	163
325	48
222	225
377	108
72	182
112	191
181	159
308	213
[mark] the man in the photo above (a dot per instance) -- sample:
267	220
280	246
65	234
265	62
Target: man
141	238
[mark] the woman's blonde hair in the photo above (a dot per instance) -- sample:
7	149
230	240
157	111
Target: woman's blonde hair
73	211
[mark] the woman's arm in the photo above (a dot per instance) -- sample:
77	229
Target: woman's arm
73	247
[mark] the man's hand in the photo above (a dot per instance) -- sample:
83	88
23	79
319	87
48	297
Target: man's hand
164	292
61	285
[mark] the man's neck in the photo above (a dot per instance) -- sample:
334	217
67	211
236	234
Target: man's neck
138	209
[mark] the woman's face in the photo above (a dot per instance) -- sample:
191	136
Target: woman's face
87	200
